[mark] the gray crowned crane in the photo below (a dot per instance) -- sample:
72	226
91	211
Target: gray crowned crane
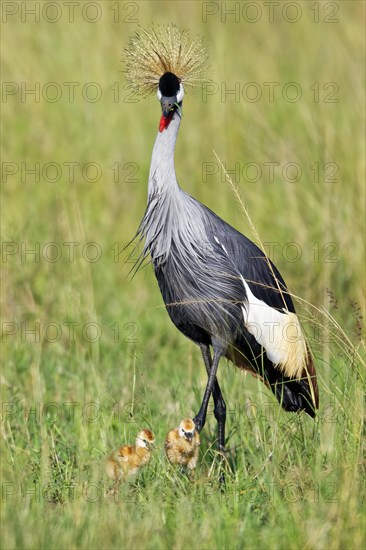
220	290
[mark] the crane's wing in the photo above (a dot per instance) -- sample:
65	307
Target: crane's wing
260	274
268	310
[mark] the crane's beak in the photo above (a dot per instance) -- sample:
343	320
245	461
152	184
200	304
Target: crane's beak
168	105
189	436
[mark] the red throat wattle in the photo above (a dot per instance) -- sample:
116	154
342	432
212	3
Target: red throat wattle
164	122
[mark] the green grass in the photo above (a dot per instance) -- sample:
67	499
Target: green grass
290	482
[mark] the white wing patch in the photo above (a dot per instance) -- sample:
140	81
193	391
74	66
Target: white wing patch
278	333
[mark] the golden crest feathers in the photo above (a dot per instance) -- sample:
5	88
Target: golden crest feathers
159	49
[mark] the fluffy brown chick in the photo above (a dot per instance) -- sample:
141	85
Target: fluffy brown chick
129	459
182	444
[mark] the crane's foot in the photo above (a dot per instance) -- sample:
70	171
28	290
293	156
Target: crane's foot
222	450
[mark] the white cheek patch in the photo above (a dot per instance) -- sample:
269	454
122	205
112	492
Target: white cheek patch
180	94
159	94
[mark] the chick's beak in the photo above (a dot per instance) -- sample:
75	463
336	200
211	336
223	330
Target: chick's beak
167	105
189	436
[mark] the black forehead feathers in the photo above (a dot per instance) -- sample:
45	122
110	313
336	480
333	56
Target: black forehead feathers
169	84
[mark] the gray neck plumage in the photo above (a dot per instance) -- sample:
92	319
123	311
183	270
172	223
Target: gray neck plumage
171	215
157	225
162	178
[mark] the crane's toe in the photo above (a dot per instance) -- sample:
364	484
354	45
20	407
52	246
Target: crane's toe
222	450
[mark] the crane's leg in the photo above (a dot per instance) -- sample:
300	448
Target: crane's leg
219	403
200	419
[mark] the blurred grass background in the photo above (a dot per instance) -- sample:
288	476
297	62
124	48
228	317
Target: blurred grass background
292	483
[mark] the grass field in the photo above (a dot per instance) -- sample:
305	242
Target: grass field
103	359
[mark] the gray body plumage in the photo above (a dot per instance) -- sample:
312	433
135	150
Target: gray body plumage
205	270
200	283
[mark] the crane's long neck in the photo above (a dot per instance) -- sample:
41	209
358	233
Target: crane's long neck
164	196
162	178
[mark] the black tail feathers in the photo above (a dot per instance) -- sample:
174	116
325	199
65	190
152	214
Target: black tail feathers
294	395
